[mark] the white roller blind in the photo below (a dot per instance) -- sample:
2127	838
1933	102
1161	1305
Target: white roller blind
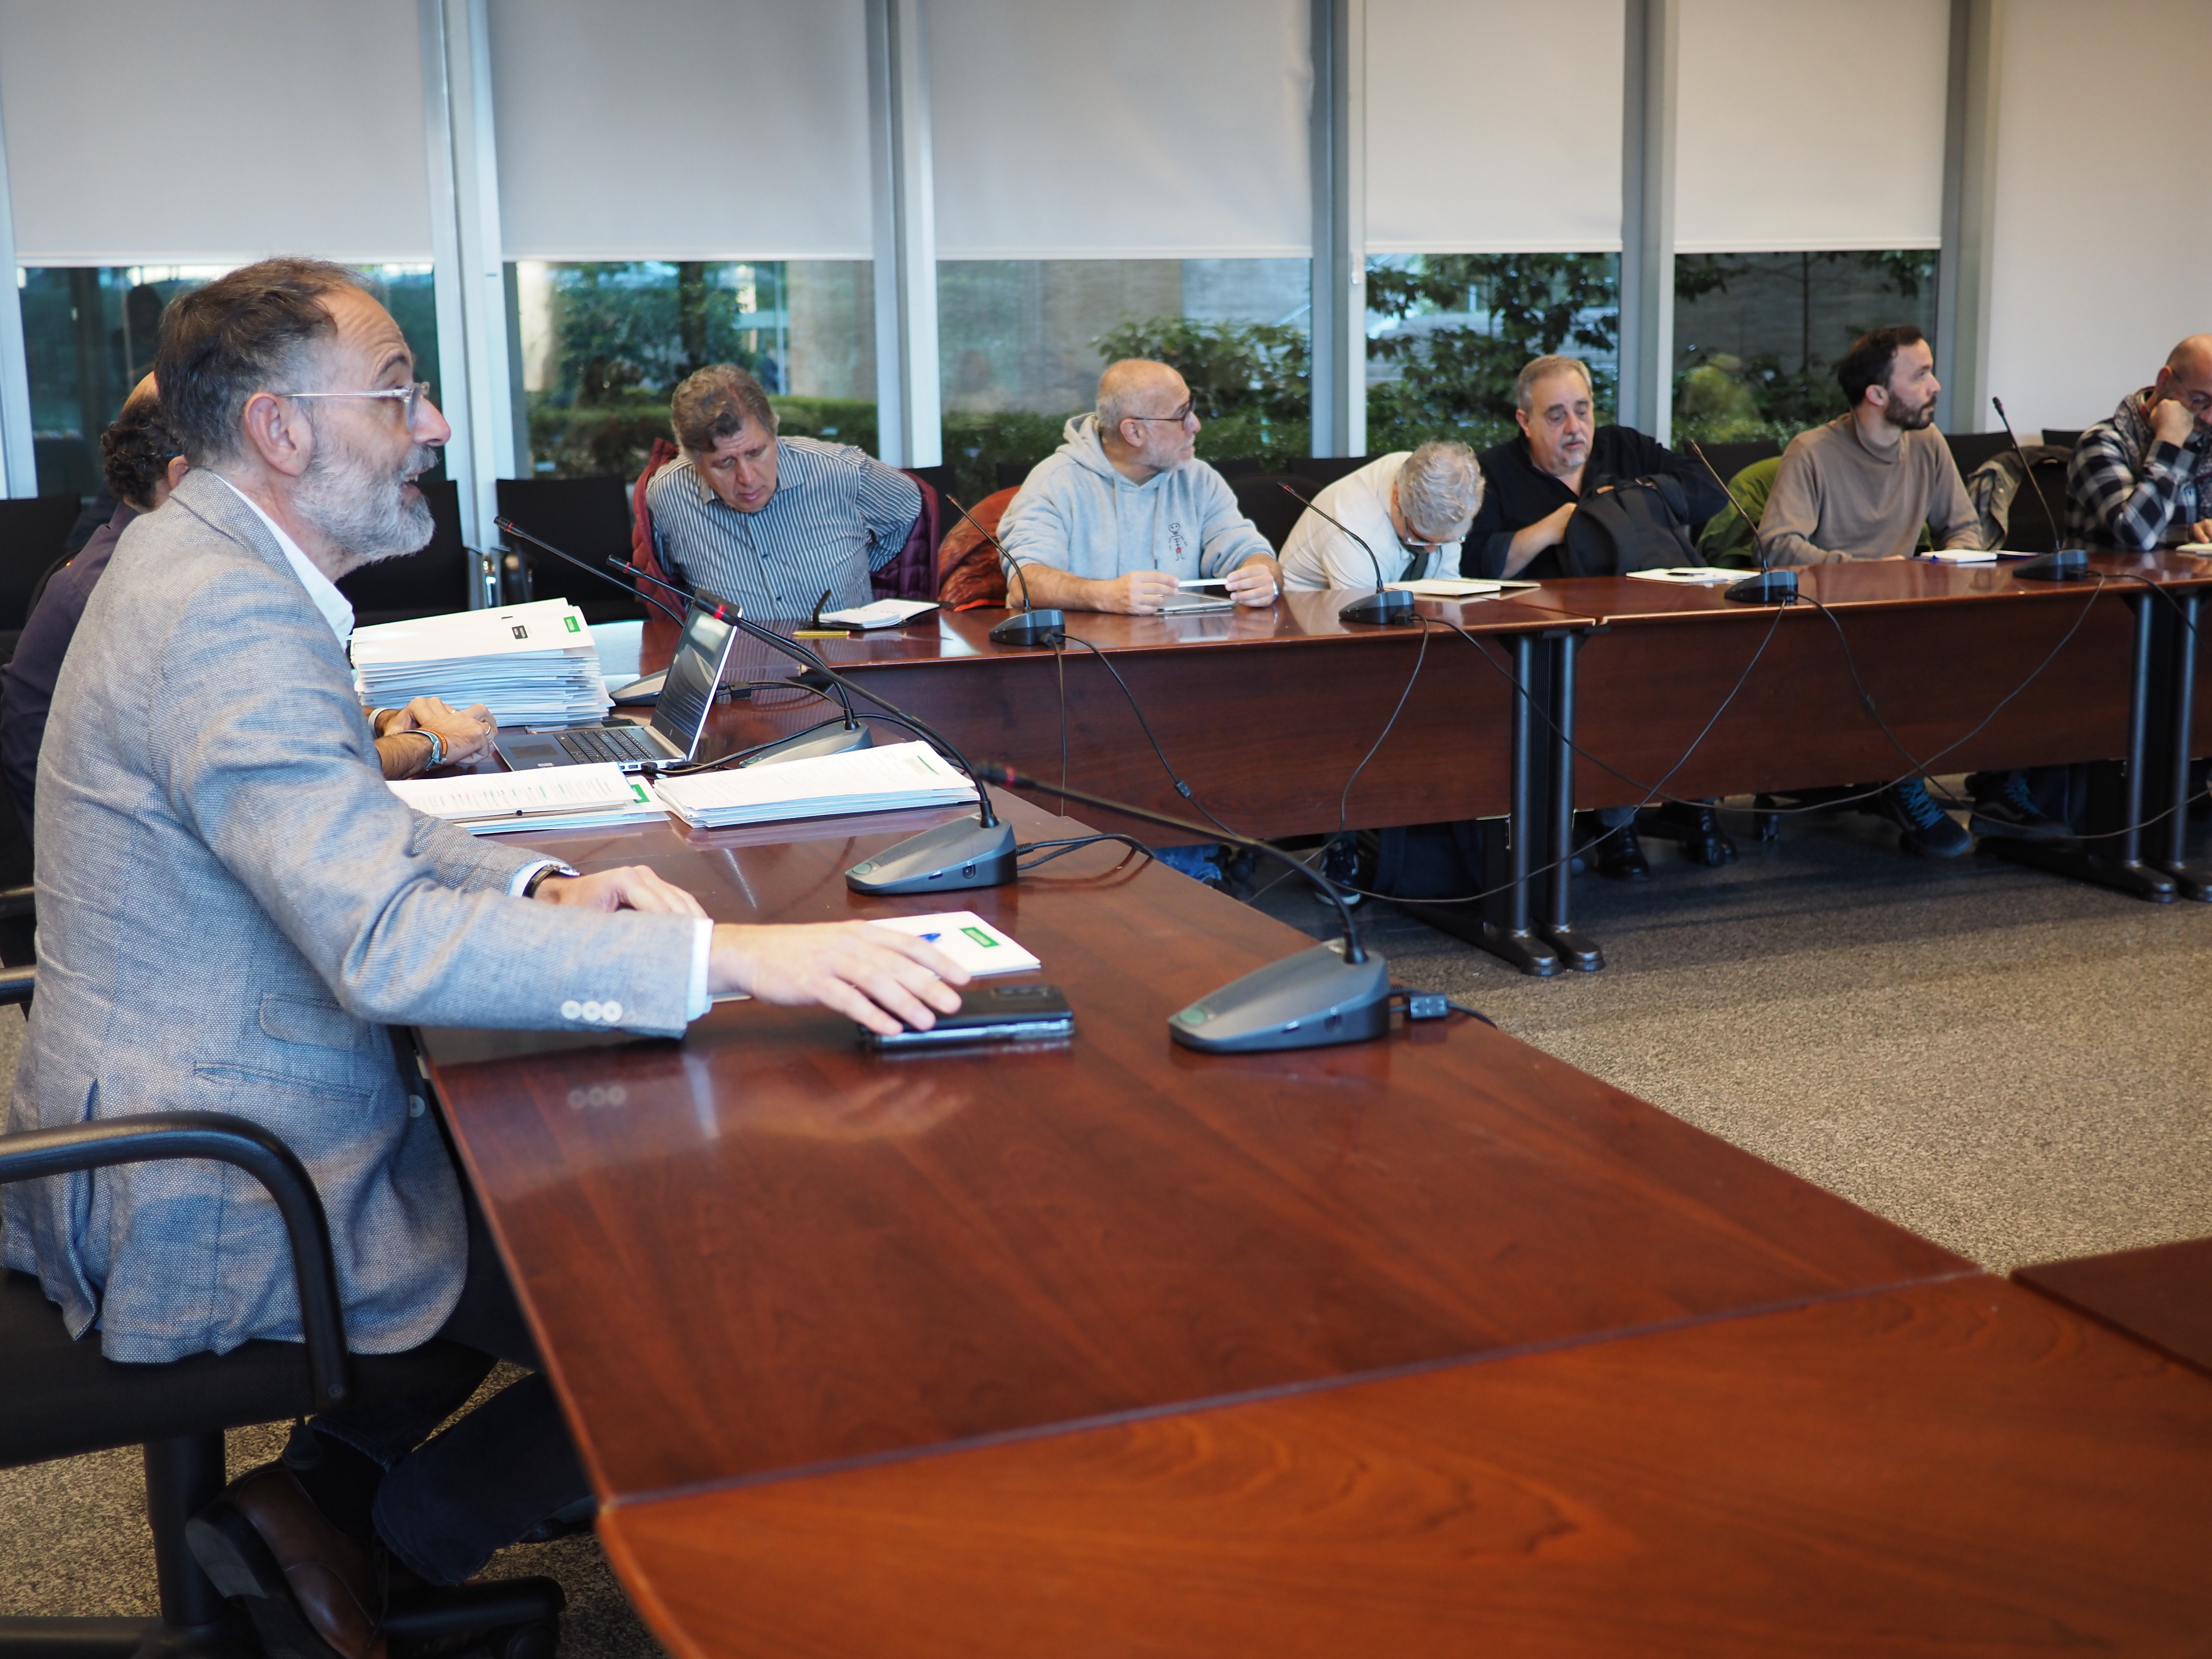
1807	123
1494	127
2101	245
1159	129
215	132
682	129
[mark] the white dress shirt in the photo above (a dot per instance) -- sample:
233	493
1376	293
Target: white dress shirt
1316	553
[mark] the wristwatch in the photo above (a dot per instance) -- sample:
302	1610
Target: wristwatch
538	879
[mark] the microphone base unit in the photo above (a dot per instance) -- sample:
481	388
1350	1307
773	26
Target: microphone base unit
2067	564
948	858
1311	1001
812	745
1767	588
1383	608
1045	628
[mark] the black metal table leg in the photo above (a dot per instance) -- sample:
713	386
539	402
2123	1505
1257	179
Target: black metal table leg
2122	868
1516	941
1557	929
2190	883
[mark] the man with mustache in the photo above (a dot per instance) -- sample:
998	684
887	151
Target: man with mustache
1862	487
233	909
1535	483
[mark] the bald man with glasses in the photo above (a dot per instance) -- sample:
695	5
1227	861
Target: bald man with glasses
1124	510
2144	479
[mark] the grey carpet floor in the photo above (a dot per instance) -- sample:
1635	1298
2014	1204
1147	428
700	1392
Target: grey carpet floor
2007	1063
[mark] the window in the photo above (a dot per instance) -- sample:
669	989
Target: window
1446	333
1021	343
604	343
1757	335
89	334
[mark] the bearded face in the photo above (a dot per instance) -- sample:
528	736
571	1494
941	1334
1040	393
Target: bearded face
367	506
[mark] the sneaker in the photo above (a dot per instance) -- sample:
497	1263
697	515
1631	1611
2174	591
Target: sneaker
1923	827
1340	867
2011	814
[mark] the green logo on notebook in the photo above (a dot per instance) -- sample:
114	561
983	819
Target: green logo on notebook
980	937
571	621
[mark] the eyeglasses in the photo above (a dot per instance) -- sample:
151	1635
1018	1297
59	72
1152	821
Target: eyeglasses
414	397
1189	408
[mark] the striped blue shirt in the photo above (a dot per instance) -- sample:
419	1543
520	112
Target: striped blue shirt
838	514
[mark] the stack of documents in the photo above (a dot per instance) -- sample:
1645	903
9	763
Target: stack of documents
552	798
887	779
531	665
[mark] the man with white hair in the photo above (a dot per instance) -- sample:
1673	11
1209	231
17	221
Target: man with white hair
1124	509
1412	509
2144	479
1535	484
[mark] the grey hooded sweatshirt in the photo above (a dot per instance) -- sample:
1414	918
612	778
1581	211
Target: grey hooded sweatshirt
1077	513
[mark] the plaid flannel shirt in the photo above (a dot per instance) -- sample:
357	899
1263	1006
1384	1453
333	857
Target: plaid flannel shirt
2125	489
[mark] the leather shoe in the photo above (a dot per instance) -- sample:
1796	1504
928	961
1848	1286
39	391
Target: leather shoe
1616	852
312	1591
1699	831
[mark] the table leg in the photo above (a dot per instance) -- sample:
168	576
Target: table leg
2123	869
2190	883
1516	941
1557	930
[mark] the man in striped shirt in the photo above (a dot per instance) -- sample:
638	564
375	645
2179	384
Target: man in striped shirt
771	523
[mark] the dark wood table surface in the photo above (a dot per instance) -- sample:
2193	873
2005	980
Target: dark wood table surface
801	1254
1265	713
1953	1468
1936	646
2162	1294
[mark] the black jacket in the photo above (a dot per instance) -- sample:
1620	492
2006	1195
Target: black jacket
1516	494
29	676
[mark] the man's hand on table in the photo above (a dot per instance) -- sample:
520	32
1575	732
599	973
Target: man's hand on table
1140	593
468	732
632	887
1255	582
869	974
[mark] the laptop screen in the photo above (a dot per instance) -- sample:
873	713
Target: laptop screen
680	715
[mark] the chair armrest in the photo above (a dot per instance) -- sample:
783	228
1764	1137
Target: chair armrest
16	984
17	901
245	1145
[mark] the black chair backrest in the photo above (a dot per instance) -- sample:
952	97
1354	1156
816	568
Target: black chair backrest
431	583
2057	438
1239	467
32	531
589	517
1730	458
1327	469
1971	449
1260	498
1011	474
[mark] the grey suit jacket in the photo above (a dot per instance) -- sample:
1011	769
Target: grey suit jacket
232	907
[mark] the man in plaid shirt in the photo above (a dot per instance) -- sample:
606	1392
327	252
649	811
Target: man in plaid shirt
2144	479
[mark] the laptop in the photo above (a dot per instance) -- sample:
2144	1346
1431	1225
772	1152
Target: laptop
679	718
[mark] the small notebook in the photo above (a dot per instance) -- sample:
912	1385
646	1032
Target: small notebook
1449	587
968	939
1961	555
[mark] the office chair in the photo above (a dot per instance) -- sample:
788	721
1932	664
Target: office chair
60	1398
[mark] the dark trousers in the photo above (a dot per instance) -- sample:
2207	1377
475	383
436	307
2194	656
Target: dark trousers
505	1473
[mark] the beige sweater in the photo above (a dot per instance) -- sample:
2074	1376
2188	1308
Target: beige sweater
1835	499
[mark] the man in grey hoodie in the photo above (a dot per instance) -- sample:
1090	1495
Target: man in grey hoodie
1124	509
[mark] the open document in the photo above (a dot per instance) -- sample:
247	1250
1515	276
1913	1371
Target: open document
886	780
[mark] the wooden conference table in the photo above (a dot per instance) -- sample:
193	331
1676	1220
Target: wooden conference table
1270	714
1427	1344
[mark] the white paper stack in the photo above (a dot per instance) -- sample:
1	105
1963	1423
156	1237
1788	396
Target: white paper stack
1692	575
547	798
887	779
531	665
883	613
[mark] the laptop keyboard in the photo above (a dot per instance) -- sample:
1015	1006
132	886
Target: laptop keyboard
610	742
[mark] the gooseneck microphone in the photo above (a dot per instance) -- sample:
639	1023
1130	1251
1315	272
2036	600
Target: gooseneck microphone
1032	626
1769	586
965	852
2062	563
806	745
1386	604
1325	995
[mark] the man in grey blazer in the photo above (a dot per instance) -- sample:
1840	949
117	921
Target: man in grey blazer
234	907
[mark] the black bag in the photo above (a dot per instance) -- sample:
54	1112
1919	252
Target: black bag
1641	525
